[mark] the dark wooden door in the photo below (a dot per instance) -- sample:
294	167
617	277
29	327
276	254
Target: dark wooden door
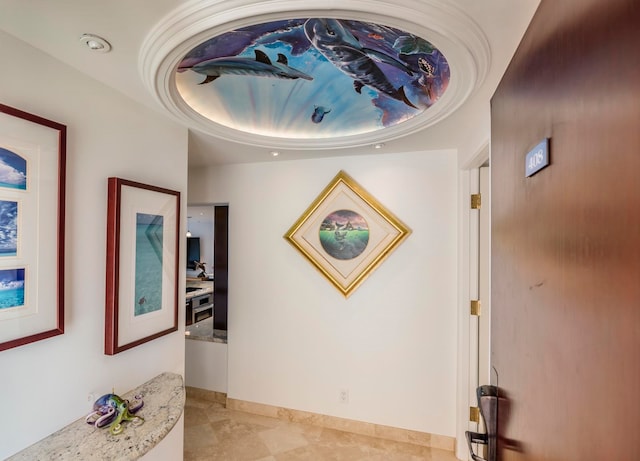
566	241
220	266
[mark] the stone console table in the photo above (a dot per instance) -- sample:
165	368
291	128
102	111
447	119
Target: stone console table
164	398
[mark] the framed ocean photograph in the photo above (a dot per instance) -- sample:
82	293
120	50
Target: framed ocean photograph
32	197
11	288
346	233
142	264
13	170
8	228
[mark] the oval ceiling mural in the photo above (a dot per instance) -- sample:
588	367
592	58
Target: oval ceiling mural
312	78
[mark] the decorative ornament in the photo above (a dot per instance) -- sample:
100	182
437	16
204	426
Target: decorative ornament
202	267
111	410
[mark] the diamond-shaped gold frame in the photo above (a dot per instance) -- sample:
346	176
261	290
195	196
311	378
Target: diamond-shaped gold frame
386	232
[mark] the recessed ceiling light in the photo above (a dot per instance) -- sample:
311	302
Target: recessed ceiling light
95	43
274	153
378	146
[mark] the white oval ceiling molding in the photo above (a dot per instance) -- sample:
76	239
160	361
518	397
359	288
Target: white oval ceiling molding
350	73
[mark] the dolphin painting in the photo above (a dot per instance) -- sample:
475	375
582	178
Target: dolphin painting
336	43
261	66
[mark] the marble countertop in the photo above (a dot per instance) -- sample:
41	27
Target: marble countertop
164	398
203	287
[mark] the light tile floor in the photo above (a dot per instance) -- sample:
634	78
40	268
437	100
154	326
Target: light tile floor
213	432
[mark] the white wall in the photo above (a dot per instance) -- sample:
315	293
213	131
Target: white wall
295	341
206	365
44	385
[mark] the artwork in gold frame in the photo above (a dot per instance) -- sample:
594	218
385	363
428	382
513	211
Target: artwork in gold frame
346	233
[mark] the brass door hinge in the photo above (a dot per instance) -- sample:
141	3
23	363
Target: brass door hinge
475	307
476	201
474	414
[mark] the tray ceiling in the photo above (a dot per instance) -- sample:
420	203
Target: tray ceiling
285	77
151	38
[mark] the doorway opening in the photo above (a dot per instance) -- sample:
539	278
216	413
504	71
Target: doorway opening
206	337
207	258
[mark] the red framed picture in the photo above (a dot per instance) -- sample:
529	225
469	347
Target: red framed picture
143	224
32	198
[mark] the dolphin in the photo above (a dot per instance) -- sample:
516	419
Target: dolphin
336	43
318	113
261	66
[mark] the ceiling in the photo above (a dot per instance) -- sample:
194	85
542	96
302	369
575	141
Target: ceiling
150	38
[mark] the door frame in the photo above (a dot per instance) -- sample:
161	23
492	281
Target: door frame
468	183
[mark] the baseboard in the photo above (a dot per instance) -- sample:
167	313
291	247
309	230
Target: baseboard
395	434
204	394
347	425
